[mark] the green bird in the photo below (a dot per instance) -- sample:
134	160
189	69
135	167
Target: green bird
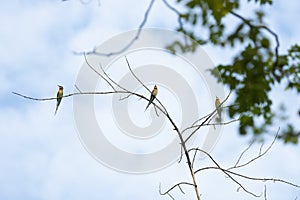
153	96
218	107
59	96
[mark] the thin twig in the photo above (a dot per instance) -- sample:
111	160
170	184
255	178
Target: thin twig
194	158
240	157
68	95
174	186
77	88
229	171
221	123
224	171
135	76
248	177
179	19
263	179
265	193
129	44
176	12
259	155
126	97
92	68
181	154
109	78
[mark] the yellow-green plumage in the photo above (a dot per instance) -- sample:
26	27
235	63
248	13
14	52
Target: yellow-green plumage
59	96
218	107
153	96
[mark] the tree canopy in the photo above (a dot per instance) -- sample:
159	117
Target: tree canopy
256	69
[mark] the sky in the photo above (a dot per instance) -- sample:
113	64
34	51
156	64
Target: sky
42	156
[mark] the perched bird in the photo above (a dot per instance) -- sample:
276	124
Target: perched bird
219	109
152	97
59	95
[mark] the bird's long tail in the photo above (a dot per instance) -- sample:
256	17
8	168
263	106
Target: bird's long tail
150	101
56	110
219	119
147	106
57	104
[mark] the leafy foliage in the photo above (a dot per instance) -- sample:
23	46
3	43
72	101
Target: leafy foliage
256	69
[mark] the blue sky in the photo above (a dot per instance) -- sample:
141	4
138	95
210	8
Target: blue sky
42	156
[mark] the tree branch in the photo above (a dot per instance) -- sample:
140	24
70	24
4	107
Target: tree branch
247	21
177	185
229	173
129	44
257	157
223	170
92	68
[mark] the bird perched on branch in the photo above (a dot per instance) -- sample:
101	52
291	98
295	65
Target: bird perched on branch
218	107
153	96
59	96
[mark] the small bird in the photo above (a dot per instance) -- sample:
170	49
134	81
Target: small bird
153	96
59	96
219	109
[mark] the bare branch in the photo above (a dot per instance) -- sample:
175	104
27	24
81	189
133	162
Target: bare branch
176	12
240	157
33	98
179	19
126	97
92	68
129	44
194	158
114	82
223	170
265	193
230	174
248	177
165	193
214	124
263	179
135	76
259	155
174	186
93	93
181	154
68	95
77	88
